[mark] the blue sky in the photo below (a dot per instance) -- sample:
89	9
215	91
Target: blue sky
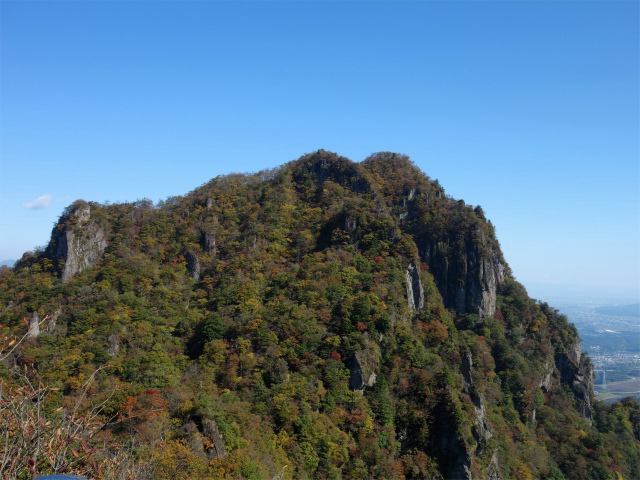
530	109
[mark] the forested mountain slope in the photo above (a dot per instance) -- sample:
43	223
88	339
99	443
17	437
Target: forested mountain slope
325	319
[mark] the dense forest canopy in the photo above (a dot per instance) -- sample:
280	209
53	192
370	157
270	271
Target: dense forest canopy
323	319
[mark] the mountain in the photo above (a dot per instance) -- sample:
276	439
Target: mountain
323	319
7	263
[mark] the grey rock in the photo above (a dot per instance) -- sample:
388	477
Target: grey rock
465	368
545	382
363	367
79	243
193	265
577	372
415	292
350	225
53	319
113	347
482	431
455	457
466	274
210	429
493	471
34	326
209	242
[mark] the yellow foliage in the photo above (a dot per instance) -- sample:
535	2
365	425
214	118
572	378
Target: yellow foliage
250	305
283	439
174	459
368	424
242	345
523	472
333	340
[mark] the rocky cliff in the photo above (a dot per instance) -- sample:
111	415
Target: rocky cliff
364	367
77	241
467	278
576	371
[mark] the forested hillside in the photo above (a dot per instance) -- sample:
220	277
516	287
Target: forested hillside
324	319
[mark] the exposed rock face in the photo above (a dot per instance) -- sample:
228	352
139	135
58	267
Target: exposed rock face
210	429
34	326
415	292
350	225
481	429
466	278
53	319
79	243
114	347
193	265
203	437
455	458
493	471
545	382
363	366
209	242
577	372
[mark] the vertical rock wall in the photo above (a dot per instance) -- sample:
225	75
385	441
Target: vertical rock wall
577	372
466	278
79	243
34	326
193	265
363	367
415	292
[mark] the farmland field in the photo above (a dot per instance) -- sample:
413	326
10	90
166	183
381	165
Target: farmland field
618	390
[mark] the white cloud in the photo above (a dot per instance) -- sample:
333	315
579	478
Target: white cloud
41	202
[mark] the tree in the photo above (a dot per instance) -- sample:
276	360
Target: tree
37	439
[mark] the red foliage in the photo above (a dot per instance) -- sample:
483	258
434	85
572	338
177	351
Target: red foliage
324	315
404	385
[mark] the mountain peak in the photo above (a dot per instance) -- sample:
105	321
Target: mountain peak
343	319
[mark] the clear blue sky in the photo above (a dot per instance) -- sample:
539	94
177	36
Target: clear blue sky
530	109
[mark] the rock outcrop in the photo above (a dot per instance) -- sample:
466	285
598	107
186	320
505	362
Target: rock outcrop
209	242
415	292
363	367
77	242
466	274
576	371
481	429
451	450
210	429
53	320
193	265
114	346
34	326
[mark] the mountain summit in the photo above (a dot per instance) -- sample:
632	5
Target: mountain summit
324	319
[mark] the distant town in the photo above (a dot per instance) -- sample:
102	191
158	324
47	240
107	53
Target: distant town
612	341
